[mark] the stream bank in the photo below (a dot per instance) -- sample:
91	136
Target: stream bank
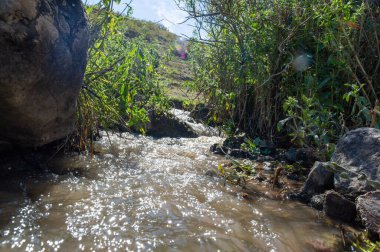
346	189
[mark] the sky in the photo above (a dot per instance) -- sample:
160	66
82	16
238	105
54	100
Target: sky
164	11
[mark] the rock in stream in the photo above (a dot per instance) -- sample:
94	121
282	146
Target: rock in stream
356	161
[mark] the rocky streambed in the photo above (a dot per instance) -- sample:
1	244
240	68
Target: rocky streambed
140	193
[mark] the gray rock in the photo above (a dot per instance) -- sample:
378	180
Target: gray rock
358	152
317	201
319	179
368	207
43	58
338	207
167	125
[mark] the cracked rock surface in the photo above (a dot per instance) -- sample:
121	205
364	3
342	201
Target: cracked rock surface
43	58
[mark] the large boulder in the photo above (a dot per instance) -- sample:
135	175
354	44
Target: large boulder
368	207
43	58
358	152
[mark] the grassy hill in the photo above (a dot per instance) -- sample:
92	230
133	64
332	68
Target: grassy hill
175	70
150	31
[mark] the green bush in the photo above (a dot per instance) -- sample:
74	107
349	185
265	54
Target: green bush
289	65
121	79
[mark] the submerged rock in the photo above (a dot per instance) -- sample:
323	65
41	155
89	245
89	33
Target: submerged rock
368	207
359	153
338	207
43	58
332	245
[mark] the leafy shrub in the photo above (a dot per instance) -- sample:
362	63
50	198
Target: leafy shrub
286	63
121	80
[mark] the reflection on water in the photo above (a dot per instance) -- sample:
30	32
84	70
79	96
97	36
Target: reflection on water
144	194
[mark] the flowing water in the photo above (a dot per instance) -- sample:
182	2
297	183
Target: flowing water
145	194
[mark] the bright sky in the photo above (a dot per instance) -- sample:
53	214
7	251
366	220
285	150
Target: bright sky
165	11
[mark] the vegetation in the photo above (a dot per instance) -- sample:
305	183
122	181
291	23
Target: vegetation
308	70
121	77
295	72
128	67
364	245
304	71
174	72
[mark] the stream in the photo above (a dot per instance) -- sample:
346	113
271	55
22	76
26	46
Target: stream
144	194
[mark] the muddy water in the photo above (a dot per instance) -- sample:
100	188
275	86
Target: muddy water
144	194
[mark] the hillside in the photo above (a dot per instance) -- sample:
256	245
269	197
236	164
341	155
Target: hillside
150	31
175	68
